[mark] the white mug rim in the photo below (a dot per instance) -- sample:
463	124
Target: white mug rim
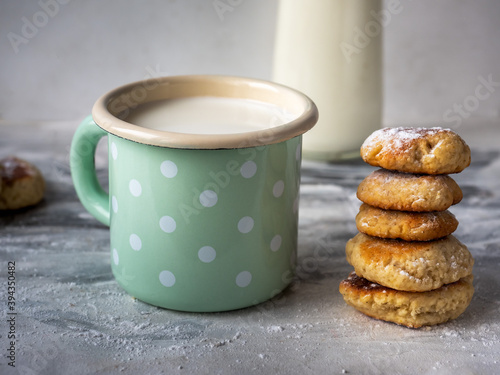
110	107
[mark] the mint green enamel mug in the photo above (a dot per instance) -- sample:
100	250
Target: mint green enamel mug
204	175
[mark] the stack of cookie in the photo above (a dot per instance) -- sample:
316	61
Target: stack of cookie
408	267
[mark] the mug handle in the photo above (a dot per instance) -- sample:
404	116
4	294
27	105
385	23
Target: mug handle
82	164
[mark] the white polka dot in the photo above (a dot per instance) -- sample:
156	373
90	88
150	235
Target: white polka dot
167	278
168	169
245	224
276	243
116	259
135	188
243	279
114	151
167	224
135	242
278	188
114	204
206	254
248	169
208	198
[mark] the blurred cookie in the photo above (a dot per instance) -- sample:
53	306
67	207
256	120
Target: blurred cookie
409	226
409	192
409	266
22	184
410	309
417	150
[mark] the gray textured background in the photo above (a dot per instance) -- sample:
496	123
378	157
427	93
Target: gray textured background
435	50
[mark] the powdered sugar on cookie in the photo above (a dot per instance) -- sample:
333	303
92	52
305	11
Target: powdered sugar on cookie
399	137
416	150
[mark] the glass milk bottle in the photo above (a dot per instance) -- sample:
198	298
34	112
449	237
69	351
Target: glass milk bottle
332	51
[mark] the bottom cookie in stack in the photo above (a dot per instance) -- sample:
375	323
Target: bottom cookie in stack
409	283
411	309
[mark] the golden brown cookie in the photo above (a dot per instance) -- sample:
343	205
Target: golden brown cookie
409	192
409	266
410	309
22	184
417	150
409	226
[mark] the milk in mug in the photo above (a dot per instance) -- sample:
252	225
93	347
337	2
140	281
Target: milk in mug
208	115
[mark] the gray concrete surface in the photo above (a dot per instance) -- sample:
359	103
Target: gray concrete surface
72	317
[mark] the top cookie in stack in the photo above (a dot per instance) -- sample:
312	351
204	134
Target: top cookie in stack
419	273
417	150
